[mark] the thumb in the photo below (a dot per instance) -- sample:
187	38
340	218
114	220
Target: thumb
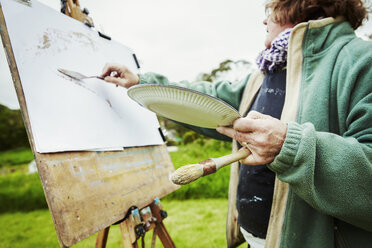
250	160
244	160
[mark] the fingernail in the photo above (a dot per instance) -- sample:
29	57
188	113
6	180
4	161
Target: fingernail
219	129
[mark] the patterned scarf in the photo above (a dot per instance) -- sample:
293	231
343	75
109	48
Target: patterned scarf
275	57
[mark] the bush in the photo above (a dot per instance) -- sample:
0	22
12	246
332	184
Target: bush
193	137
12	130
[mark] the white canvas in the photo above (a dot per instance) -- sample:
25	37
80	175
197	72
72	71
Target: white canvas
68	115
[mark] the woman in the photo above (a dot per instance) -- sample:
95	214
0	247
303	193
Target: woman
308	180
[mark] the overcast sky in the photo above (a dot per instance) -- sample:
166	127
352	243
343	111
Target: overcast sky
177	38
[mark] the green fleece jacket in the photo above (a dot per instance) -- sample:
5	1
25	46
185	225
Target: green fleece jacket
326	158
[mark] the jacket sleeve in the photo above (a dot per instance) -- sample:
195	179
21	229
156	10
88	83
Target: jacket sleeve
230	92
333	173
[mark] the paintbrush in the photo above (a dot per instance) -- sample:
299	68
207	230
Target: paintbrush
189	173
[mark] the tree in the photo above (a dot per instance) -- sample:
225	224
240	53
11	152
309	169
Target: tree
12	130
228	70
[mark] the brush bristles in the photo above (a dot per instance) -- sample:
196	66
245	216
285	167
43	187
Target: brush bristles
187	174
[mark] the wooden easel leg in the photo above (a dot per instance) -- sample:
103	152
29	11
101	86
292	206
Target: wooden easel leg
127	233
153	240
161	231
154	221
102	238
164	236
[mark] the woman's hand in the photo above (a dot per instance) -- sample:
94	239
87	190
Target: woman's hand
119	75
262	134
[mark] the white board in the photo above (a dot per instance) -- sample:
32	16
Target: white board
68	115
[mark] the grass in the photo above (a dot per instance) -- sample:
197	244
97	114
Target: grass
21	192
211	186
16	158
190	223
32	229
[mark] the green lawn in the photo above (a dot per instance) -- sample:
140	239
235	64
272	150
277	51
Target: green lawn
191	223
16	158
21	192
212	186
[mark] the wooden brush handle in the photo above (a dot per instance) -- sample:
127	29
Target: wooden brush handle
189	173
231	158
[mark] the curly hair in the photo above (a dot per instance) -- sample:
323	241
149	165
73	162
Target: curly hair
296	11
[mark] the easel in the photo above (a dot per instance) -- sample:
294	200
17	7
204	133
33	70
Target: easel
82	196
137	223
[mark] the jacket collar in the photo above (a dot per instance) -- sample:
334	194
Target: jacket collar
325	33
